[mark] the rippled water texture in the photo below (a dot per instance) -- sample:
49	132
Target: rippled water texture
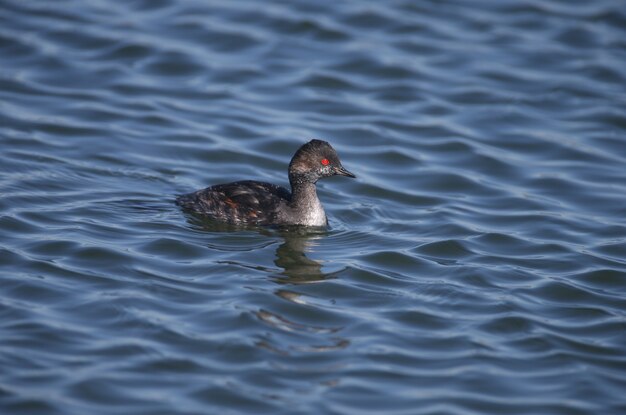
477	265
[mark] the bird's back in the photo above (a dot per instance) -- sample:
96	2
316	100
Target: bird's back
243	202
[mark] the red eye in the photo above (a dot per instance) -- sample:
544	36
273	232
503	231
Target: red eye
325	162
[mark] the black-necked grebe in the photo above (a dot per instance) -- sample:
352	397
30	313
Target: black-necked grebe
258	203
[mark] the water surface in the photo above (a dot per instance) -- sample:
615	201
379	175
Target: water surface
477	265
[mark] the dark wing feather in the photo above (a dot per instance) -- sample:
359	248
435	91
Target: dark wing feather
238	202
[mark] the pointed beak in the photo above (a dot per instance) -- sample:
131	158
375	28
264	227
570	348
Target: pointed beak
343	172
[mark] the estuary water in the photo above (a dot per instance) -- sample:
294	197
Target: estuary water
477	265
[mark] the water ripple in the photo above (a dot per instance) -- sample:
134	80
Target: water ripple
475	266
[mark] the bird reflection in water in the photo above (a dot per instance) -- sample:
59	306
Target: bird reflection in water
288	335
297	268
291	257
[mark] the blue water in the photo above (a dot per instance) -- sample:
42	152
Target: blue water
476	266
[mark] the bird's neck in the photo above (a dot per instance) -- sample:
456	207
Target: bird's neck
306	204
